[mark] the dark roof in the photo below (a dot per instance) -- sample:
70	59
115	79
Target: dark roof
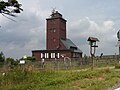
70	45
51	50
92	39
56	14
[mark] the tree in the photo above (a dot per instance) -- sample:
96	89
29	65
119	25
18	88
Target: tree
10	7
11	61
2	57
29	58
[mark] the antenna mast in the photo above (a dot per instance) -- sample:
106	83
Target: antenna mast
53	10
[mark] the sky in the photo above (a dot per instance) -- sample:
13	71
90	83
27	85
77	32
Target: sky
85	18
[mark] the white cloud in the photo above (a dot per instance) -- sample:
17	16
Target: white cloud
80	30
87	27
108	25
26	34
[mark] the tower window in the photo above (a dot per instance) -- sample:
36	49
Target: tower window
54	30
53	22
54	39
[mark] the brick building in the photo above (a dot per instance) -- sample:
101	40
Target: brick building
57	44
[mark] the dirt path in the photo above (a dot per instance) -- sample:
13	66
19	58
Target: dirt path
115	87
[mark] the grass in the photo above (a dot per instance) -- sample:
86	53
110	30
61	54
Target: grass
117	66
33	79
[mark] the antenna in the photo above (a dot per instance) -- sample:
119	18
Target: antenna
53	10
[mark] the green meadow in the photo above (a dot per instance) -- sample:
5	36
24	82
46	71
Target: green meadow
21	78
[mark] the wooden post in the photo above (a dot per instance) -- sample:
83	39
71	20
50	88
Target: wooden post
119	51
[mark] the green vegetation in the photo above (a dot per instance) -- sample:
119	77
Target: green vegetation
79	75
29	78
28	58
2	57
10	7
117	66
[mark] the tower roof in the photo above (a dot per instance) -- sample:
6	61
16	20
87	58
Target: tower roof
56	14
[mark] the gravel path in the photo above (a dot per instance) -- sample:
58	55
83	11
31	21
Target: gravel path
115	87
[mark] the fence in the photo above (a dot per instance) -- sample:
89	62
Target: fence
73	63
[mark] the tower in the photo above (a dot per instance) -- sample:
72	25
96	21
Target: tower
58	45
55	31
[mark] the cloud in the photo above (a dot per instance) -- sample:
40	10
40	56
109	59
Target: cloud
80	30
26	34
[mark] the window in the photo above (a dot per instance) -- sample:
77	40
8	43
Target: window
53	21
54	39
57	55
46	55
41	55
52	55
54	30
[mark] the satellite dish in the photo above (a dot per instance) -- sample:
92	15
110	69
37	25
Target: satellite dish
118	35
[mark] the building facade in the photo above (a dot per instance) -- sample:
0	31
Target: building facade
57	44
56	30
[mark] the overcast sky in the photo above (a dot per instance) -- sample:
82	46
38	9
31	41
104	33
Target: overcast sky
97	18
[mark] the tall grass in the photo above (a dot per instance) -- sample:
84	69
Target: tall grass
35	79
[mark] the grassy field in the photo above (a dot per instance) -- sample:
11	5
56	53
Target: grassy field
34	79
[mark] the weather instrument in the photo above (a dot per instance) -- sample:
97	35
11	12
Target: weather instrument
93	46
118	35
92	43
118	43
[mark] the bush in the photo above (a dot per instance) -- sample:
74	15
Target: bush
29	58
11	62
1	64
117	66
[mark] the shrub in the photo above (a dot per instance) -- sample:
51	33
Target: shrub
107	70
117	66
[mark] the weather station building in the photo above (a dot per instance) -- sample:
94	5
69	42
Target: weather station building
57	44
